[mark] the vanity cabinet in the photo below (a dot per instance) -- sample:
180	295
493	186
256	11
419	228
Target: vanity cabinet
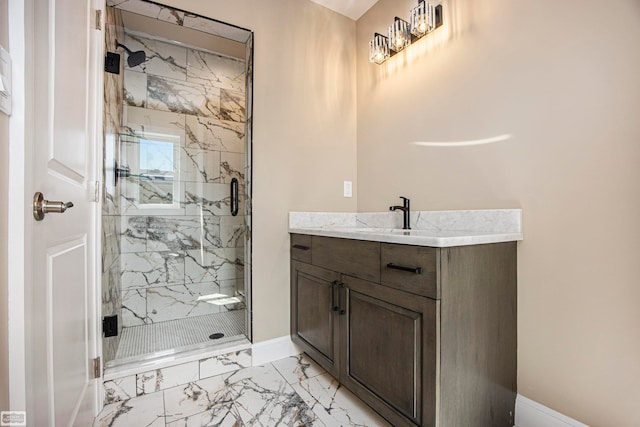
425	336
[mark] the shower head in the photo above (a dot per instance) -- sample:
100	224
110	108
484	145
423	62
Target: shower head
135	58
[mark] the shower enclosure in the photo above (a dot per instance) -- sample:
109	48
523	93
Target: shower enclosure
177	194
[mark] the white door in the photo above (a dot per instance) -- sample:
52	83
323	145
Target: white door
63	326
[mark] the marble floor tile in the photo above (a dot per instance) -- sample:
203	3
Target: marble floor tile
296	369
197	397
119	389
252	396
334	404
264	398
145	411
224	363
161	379
225	415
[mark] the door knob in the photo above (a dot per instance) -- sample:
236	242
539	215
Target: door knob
42	206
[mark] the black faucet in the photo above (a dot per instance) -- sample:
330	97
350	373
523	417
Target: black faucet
405	210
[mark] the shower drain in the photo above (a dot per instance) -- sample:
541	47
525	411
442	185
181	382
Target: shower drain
216	336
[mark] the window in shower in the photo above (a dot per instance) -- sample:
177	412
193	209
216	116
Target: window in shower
179	269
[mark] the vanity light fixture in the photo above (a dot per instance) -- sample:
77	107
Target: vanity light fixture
424	19
378	49
399	35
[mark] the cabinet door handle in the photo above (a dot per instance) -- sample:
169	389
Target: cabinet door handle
416	270
334	307
302	248
341	308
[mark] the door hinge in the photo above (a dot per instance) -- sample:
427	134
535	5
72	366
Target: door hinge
98	19
97	367
96	192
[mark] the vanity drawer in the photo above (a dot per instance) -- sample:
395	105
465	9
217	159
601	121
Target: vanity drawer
409	268
359	258
301	247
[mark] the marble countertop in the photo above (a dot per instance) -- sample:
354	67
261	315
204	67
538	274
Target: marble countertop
428	228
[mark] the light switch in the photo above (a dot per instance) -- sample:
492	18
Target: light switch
348	189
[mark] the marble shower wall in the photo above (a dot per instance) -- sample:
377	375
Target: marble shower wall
113	112
182	142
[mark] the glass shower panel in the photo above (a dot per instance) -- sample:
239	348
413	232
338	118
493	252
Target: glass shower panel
182	141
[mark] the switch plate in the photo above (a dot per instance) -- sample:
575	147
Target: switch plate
348	189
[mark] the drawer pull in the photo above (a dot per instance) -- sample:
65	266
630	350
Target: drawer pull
416	270
302	248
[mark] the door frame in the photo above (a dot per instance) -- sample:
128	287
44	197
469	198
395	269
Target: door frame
23	387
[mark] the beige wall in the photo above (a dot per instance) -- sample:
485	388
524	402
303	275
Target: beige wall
563	78
304	134
4	182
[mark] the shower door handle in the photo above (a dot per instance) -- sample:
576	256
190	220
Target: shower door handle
234	197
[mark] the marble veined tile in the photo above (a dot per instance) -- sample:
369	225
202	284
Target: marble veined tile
134	234
199	165
146	123
225	363
145	269
135	88
334	405
180	301
232	166
212	27
197	397
163	59
224	415
232	231
119	389
213	134
208	199
266	399
232	105
161	379
182	97
152	10
134	308
177	233
298	368
213	265
219	71
147	411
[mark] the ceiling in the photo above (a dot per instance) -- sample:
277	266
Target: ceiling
353	9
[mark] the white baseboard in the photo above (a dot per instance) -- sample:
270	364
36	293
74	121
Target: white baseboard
275	349
532	414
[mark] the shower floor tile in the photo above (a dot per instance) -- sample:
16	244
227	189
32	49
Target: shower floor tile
163	336
288	392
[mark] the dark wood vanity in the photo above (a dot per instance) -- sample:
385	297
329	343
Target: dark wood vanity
426	336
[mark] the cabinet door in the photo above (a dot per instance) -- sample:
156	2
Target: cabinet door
389	351
313	322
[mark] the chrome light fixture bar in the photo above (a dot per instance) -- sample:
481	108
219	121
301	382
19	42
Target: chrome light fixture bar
424	19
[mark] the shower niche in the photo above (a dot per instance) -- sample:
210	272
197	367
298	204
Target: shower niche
177	192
